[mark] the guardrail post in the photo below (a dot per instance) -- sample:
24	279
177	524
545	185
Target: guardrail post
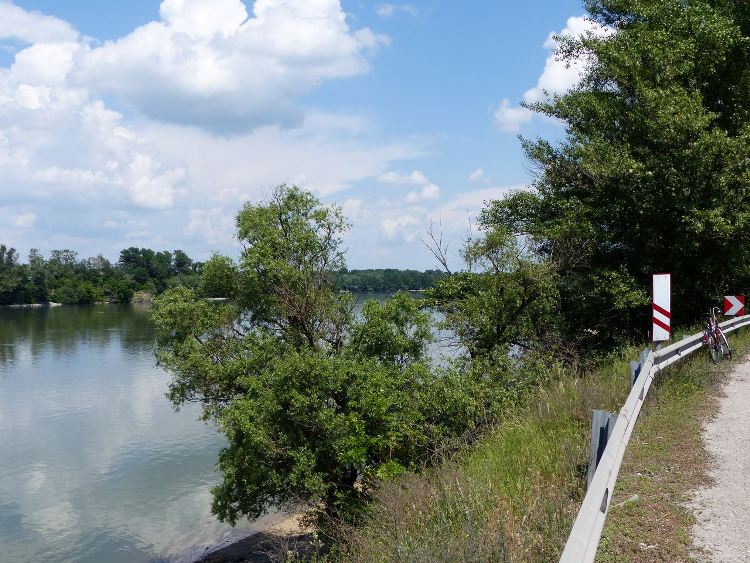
635	370
602	423
635	367
644	355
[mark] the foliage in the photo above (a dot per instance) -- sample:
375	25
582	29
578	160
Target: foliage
504	300
653	174
10	275
218	277
385	280
66	278
317	403
511	495
395	332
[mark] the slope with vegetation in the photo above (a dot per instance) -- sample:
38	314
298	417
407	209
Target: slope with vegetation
349	418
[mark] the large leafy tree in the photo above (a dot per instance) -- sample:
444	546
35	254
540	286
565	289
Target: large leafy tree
653	174
504	301
11	274
317	403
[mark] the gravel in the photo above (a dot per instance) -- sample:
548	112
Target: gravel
722	510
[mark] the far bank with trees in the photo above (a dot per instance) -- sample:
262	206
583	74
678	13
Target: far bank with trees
65	277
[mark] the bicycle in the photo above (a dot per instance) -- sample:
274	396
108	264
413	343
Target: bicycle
715	339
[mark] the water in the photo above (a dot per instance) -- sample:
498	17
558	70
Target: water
95	465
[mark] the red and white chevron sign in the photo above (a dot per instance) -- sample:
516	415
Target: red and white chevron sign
734	305
661	308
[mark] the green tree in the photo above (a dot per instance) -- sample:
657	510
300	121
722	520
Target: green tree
11	275
218	277
37	290
316	403
506	299
182	264
653	174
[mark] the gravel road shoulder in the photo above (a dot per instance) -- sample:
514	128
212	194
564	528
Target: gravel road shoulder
722	509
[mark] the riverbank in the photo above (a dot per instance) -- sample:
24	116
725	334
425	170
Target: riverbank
511	495
281	541
33	305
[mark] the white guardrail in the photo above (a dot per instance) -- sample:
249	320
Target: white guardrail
587	530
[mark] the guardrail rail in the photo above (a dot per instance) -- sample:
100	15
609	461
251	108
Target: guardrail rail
587	530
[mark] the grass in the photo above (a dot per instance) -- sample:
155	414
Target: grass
511	497
664	464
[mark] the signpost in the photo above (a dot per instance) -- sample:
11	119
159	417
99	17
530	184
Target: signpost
661	308
734	305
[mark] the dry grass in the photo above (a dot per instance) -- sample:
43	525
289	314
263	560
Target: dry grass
515	494
512	497
665	463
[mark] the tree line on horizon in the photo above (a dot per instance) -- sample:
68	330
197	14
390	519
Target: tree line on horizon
64	277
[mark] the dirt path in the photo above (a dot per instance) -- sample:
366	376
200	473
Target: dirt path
722	510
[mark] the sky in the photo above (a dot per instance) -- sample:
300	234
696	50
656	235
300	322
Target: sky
148	123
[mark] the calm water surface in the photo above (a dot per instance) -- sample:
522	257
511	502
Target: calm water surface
95	465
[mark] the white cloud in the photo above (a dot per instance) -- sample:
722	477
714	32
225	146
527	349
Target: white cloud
353	209
149	186
56	139
464	207
509	119
478	175
25	220
231	170
415	178
390	10
215	225
44	64
427	191
32	97
32	27
208	63
558	75
400	226
78	173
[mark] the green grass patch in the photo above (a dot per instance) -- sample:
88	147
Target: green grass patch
665	463
512	496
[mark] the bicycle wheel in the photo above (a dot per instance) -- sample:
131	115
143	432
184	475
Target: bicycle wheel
713	352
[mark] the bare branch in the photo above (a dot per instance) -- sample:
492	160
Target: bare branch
437	248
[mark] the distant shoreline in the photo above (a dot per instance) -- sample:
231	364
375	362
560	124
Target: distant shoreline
32	305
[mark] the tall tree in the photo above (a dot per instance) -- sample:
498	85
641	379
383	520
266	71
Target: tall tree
653	174
315	402
38	290
10	274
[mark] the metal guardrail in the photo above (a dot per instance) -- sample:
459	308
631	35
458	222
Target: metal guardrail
587	530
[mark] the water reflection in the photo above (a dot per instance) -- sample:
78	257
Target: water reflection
61	328
94	463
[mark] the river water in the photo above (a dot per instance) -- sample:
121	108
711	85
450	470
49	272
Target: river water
95	465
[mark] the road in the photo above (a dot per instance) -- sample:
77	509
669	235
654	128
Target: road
722	509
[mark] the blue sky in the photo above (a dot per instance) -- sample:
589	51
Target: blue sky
149	124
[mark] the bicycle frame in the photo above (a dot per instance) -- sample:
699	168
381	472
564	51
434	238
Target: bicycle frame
714	338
